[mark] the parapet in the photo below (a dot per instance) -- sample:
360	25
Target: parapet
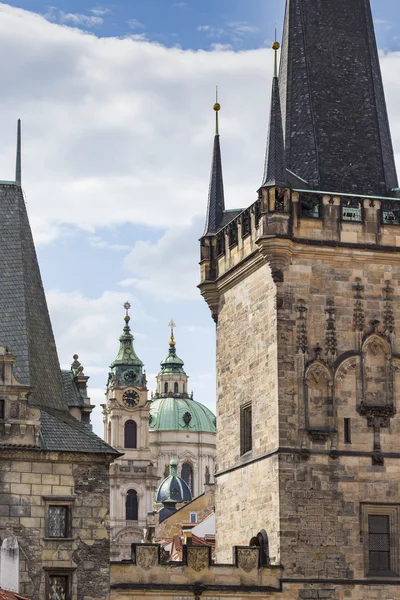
147	571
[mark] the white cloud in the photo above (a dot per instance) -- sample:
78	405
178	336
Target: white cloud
221	47
96	241
90	327
167	269
243	28
211	31
100	11
135	24
75	19
118	131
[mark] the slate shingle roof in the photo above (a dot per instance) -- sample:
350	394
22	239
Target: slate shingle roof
24	319
275	168
71	392
25	328
216	198
337	134
61	432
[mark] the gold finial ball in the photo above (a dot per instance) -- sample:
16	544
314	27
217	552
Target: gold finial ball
217	107
275	46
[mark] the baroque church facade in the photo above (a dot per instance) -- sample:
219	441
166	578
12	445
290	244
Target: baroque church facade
149	433
303	286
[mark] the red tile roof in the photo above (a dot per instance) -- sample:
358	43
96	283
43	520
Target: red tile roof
11	595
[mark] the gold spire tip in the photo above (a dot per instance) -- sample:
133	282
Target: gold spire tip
172	326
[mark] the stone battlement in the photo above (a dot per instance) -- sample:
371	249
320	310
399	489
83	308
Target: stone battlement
146	568
302	216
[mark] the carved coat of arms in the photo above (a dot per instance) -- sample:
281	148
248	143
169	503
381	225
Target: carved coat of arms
146	557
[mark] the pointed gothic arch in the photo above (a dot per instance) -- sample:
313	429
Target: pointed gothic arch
318	394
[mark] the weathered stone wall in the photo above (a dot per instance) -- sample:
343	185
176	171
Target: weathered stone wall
321	493
25	479
247	372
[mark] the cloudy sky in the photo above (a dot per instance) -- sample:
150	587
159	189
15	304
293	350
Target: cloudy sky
116	102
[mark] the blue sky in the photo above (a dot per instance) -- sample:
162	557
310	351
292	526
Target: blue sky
116	102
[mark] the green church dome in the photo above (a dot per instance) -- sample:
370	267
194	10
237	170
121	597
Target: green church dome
172	408
180	414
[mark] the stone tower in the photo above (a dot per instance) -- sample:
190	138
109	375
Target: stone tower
303	286
126	427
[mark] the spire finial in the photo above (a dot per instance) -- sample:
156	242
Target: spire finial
18	162
275	48
172	326
217	108
127	306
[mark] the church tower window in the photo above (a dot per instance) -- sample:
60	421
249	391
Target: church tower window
130	434
176	387
132	506
187	474
166	387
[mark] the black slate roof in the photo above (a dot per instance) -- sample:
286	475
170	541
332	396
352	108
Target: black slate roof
216	198
24	319
25	328
61	432
336	126
275	167
71	391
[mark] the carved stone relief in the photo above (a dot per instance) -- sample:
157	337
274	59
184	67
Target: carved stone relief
146	556
248	559
302	341
377	377
197	558
318	394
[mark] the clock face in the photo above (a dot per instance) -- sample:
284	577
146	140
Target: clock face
130	398
130	375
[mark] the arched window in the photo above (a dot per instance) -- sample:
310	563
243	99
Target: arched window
130	434
261	541
132	506
176	388
187	474
165	388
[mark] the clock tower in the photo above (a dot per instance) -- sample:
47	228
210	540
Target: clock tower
126	427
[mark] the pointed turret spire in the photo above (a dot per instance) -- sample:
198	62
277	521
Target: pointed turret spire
216	199
275	167
18	161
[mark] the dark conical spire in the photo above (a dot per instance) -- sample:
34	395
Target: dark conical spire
275	167
18	161
336	127
216	199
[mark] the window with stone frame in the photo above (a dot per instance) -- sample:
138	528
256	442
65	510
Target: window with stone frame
59	517
59	584
246	429
380	533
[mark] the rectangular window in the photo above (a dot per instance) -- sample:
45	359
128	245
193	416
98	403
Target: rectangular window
347	431
2	412
193	517
379	544
245	429
58	521
380	534
58	587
